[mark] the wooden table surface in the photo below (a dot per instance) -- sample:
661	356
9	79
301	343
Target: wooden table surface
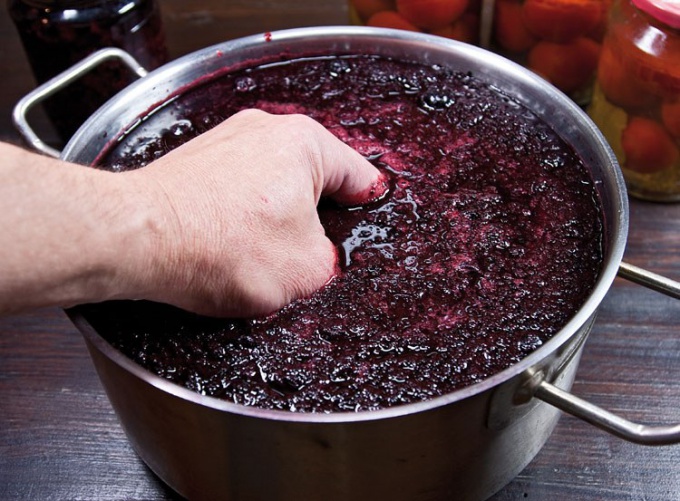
59	438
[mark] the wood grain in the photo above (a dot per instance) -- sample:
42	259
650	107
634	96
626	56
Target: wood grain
59	438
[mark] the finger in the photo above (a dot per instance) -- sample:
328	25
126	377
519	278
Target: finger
348	178
344	175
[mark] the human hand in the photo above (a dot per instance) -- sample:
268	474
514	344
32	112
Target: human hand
236	231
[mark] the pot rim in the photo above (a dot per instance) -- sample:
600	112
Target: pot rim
617	228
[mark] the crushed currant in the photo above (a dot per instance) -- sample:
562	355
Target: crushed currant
489	241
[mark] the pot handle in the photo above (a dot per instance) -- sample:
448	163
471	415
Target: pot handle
650	280
57	83
605	420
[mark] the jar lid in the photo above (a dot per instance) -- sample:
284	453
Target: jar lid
666	11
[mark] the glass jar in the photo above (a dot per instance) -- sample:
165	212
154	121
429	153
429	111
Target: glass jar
455	19
56	34
557	39
636	102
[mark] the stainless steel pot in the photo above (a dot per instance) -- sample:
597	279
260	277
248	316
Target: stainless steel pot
463	445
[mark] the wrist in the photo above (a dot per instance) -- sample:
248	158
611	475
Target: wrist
137	232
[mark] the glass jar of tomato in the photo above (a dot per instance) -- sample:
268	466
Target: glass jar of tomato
455	19
636	102
558	39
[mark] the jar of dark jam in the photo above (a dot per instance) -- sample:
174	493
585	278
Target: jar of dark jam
636	103
58	33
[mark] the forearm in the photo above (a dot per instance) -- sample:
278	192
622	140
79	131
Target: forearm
68	234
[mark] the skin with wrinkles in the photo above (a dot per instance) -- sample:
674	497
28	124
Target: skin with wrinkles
177	231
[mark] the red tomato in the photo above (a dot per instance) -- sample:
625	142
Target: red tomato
568	66
390	19
647	146
619	84
598	32
670	115
562	20
509	30
466	29
366	8
431	14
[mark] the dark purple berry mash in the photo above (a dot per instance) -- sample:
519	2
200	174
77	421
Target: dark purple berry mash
490	240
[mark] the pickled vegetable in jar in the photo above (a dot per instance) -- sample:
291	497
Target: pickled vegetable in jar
56	34
557	39
454	19
636	102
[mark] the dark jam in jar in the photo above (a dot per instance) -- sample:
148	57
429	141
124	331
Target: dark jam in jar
56	34
488	243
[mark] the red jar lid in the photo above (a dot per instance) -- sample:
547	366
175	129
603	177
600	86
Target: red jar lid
666	11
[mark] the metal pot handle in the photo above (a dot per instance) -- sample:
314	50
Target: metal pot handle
57	83
612	423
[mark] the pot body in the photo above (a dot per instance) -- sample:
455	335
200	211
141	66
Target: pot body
464	445
466	450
